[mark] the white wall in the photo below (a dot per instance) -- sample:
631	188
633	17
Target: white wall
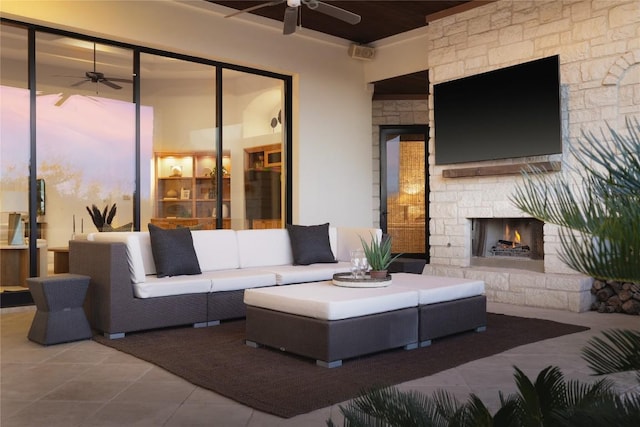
332	104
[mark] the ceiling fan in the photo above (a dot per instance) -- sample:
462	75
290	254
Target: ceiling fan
292	12
98	77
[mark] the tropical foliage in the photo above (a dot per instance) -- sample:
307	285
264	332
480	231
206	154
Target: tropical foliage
620	354
549	401
599	216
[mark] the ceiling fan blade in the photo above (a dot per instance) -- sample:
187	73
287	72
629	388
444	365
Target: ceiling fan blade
335	12
290	20
117	79
252	8
81	82
110	84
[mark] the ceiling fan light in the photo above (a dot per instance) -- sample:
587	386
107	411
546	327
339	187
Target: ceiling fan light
293	3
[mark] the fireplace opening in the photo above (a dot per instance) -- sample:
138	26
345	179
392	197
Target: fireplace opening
508	243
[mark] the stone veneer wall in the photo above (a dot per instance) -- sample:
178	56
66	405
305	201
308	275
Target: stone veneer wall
598	43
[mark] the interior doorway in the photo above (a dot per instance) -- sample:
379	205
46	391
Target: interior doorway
404	192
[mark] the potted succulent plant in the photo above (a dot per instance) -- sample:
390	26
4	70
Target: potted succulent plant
378	253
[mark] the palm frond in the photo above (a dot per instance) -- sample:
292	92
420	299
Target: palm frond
388	407
621	353
476	413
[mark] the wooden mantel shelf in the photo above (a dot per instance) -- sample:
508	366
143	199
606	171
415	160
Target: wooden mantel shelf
513	169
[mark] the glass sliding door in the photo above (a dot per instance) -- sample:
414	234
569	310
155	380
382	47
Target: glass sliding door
253	124
85	136
404	198
178	120
208	149
15	158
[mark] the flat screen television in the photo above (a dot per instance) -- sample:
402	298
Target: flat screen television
506	113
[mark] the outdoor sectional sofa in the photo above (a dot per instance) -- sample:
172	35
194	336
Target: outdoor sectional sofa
125	293
280	280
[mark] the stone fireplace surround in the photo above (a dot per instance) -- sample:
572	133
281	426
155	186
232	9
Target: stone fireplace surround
599	60
453	211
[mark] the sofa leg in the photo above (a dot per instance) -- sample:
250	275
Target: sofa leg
252	344
425	343
114	336
481	328
332	364
411	346
205	324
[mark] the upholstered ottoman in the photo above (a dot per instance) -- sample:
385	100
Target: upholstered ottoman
330	323
59	317
447	305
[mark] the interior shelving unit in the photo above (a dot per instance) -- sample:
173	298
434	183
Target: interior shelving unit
262	185
186	191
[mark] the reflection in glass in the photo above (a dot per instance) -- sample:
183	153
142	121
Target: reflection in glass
14	167
85	133
253	132
180	98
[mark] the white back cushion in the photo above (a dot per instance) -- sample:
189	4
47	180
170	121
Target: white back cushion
135	257
259	248
216	249
349	240
333	241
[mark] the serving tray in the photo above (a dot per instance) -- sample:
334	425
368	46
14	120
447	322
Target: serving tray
345	280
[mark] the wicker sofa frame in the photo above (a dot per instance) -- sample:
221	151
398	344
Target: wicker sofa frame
113	309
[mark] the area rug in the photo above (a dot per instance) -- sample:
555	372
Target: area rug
285	385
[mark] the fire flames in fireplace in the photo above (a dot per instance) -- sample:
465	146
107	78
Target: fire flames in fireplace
508	242
510	247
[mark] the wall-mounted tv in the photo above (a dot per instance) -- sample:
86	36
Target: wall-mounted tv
506	113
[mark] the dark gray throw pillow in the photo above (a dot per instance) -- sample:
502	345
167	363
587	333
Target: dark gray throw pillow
173	251
310	244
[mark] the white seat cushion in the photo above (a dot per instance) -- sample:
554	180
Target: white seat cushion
434	289
323	300
174	285
232	280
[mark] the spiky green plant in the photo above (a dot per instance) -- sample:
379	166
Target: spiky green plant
102	219
378	252
599	216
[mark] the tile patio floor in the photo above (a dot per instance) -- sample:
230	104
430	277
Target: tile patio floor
87	384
